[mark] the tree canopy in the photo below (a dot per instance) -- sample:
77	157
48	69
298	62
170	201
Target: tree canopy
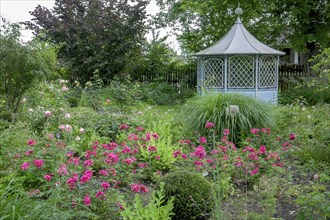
303	25
96	37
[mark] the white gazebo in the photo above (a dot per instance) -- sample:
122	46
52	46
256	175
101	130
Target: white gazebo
239	63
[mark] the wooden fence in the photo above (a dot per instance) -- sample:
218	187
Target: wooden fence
289	76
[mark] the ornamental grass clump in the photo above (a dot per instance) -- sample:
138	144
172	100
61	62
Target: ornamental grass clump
235	112
193	198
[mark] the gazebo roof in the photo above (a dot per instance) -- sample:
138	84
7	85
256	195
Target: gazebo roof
238	41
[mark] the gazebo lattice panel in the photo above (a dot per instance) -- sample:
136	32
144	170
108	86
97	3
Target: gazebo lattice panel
267	72
213	73
241	72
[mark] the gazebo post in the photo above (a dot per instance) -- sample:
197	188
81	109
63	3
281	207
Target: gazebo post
257	73
226	73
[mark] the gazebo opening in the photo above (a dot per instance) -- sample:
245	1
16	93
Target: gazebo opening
239	63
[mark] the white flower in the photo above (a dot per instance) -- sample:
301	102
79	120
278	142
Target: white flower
303	109
81	130
30	110
77	139
67	115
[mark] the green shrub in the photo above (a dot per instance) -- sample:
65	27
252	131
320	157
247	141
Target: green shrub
193	195
228	111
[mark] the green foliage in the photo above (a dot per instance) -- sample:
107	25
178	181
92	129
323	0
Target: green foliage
124	93
162	93
192	195
312	124
156	209
303	25
315	204
235	112
21	65
89	43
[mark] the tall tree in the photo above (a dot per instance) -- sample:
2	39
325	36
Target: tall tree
303	25
96	36
21	65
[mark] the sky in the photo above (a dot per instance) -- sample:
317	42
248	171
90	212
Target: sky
18	11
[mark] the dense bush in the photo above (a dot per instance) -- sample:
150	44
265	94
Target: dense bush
235	112
192	195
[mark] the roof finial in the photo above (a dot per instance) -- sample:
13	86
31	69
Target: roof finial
238	11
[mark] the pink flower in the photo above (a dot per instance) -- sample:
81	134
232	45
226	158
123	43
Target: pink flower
81	130
105	185
152	148
87	200
265	130
86	177
112	158
184	156
129	160
137	187
62	127
100	195
32	142
88	163
226	131
38	163
198	163
254	130
292	137
202	140
155	136
68	128
62	170
157	157
65	89
209	125
123	127
140	128
103	173
262	149
253	156
255	171
25	166
48	177
176	153
142	165
108	101
200	152
48	114
126	150
27	153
